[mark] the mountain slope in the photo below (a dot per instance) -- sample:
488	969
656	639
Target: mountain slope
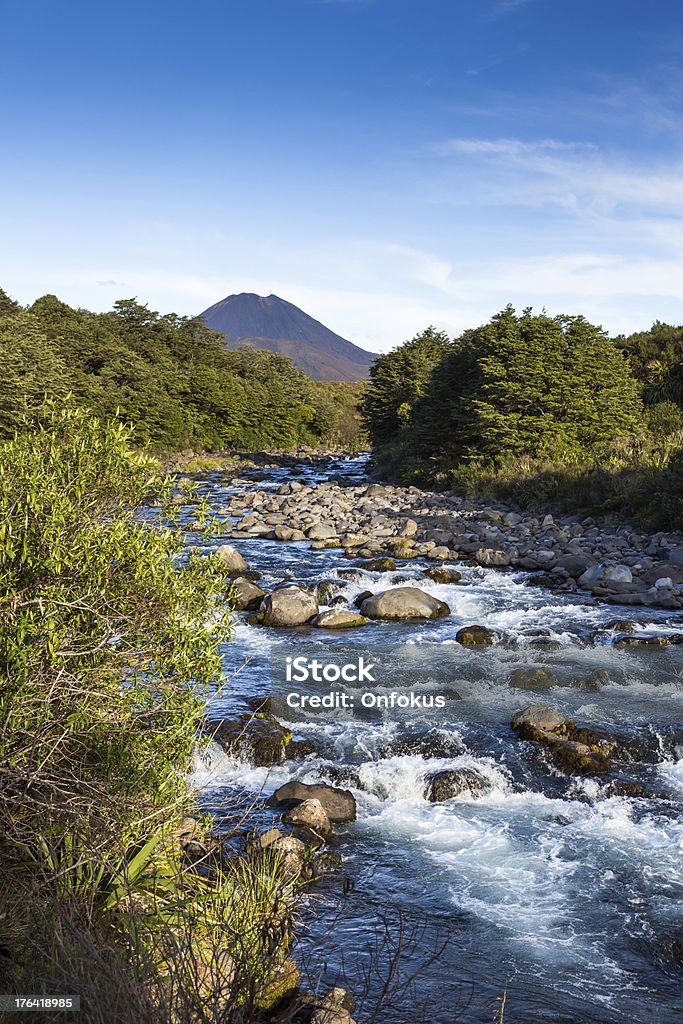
271	322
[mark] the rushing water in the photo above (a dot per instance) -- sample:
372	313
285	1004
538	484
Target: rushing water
547	888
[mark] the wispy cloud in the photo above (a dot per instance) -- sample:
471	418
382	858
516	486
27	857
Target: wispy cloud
502	7
510	147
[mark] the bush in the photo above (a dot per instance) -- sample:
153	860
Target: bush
109	642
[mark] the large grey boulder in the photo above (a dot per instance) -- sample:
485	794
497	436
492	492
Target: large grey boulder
404	603
246	596
309	814
231	557
339	804
288	606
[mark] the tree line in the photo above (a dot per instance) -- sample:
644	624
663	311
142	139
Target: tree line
169	376
521	405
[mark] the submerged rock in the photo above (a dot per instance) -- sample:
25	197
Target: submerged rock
404	603
532	679
446	784
475	636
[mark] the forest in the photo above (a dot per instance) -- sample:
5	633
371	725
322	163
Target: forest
170	377
539	410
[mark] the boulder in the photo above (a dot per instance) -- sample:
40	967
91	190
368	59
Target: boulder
231	557
445	785
321	531
676	556
335	1008
339	618
379	565
617	574
363	596
538	716
575	565
340	804
292	852
492	557
440	574
246	596
403	603
288	606
310	814
591	576
574	750
475	636
259	737
327	590
532	679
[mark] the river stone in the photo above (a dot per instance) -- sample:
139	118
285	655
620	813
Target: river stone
339	618
591	576
327	590
363	596
321	531
575	565
404	603
492	557
231	557
379	565
575	750
309	814
617	574
292	852
288	606
540	716
440	574
246	595
475	636
532	679
258	737
444	785
340	804
676	556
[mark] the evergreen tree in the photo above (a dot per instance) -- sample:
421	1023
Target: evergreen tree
397	380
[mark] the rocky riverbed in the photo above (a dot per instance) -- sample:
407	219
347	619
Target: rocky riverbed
536	822
372	520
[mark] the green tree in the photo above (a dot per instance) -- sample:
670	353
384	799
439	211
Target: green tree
547	387
397	381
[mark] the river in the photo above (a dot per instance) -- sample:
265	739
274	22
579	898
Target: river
546	890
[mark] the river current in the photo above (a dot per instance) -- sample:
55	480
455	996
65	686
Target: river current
547	891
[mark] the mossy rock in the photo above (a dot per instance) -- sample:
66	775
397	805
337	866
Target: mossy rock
440	574
379	565
259	737
475	636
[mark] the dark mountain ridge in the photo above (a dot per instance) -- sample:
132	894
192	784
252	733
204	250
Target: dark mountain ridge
273	323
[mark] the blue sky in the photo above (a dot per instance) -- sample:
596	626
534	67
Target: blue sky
385	164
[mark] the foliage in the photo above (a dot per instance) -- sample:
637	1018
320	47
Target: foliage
656	357
170	376
545	387
109	639
397	380
337	413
